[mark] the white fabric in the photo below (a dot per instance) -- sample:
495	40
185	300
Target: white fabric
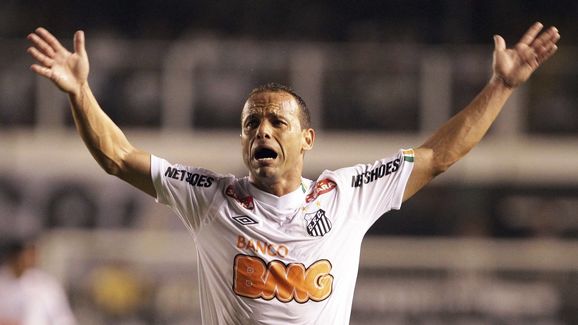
33	299
293	259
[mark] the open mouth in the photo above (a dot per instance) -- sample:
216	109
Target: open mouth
265	154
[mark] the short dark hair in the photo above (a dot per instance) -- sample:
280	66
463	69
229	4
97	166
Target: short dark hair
304	116
12	247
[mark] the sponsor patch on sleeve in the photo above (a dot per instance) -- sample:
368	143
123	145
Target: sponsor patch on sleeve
321	187
376	173
193	179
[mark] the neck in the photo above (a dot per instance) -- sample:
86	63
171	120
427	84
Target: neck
276	187
16	270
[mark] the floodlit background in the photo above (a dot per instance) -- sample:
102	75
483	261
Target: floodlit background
492	241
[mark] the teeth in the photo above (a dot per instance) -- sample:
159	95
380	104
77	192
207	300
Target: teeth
268	158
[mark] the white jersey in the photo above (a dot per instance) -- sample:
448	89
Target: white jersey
293	259
35	298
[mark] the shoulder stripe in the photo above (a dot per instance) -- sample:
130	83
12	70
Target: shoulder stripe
408	155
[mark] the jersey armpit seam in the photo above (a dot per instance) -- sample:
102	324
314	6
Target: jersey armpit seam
213	208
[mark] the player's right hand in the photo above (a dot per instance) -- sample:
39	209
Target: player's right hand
514	66
69	71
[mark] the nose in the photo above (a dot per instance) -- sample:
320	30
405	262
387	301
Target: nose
264	130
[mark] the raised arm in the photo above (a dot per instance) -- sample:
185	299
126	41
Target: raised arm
511	68
104	139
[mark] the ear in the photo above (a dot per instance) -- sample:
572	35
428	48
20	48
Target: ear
308	139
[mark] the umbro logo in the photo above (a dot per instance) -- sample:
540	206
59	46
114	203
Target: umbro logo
245	220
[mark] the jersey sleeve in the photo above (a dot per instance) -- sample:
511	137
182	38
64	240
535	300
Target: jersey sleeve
370	190
187	190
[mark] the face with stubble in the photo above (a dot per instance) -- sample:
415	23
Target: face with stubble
273	141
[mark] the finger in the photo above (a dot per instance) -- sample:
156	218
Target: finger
554	36
548	42
50	39
41	45
544	49
499	43
79	43
40	57
549	36
42	71
530	35
548	54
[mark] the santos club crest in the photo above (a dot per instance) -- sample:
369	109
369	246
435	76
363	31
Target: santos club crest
317	223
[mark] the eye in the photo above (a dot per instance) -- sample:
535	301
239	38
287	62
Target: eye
251	123
279	122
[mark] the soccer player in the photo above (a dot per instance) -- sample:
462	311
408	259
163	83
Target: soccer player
274	247
29	296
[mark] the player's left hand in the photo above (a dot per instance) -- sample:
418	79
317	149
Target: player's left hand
514	66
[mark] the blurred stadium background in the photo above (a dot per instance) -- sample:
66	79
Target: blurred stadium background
493	241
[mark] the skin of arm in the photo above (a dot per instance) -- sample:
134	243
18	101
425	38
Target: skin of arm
112	150
108	144
452	141
103	138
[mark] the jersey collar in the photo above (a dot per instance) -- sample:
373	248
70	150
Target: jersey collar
288	201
